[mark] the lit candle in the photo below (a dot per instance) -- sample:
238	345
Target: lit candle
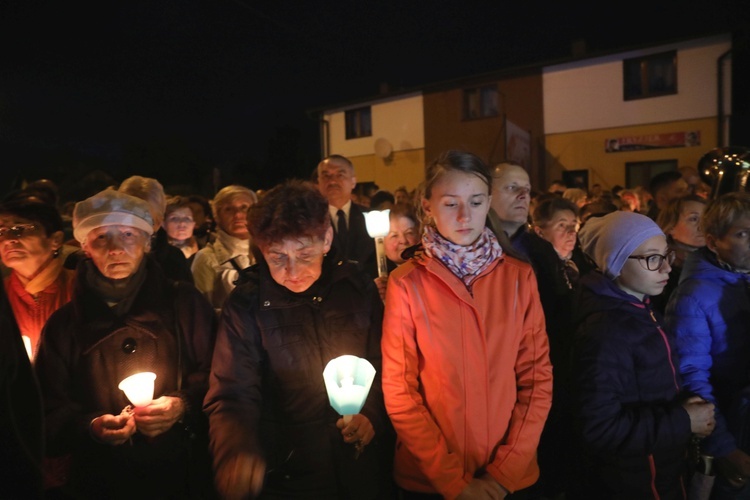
350	397
139	388
27	345
348	380
378	225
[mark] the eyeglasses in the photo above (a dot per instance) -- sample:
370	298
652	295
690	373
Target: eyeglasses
655	261
17	231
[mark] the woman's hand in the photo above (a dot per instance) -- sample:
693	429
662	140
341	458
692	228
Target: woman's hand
483	487
701	412
113	429
359	429
158	417
381	282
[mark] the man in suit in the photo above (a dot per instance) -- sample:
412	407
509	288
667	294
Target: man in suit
336	181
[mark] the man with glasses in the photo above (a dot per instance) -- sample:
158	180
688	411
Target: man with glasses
709	313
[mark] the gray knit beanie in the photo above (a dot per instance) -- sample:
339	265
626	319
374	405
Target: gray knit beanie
612	238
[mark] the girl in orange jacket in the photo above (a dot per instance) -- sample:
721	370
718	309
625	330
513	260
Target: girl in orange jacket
466	373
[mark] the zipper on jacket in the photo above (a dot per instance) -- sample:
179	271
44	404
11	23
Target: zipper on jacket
669	349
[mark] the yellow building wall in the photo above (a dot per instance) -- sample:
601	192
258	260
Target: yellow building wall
404	168
585	150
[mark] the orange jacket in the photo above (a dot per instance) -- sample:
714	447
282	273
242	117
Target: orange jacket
33	302
466	375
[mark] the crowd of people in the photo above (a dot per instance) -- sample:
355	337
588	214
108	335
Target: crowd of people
532	343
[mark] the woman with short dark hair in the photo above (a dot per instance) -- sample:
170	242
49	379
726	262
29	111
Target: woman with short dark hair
179	225
273	431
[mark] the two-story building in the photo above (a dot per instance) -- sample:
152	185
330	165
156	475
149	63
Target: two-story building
608	119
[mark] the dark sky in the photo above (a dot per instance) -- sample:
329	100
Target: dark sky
228	82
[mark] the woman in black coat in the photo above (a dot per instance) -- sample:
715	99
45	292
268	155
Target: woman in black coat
126	317
272	427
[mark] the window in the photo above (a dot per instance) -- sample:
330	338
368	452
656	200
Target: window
650	76
480	102
359	123
640	173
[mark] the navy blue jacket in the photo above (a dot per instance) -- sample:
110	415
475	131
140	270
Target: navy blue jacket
633	430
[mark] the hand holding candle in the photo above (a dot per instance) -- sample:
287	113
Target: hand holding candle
348	380
139	388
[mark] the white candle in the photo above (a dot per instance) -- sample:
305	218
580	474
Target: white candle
139	388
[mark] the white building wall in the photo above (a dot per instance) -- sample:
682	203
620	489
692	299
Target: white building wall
588	94
399	120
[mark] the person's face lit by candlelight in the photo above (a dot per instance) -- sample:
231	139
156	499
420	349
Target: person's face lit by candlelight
402	235
297	263
117	251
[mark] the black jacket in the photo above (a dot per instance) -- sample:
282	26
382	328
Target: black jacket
21	435
86	350
267	396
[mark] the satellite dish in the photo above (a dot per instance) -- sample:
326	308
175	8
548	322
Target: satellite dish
383	148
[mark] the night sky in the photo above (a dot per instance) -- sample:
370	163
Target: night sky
174	88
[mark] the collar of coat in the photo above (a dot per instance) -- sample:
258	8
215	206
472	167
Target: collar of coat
271	295
153	303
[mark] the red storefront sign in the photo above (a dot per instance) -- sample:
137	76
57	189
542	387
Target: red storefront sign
653	141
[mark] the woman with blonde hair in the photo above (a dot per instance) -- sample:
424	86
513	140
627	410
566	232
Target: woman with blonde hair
217	266
680	221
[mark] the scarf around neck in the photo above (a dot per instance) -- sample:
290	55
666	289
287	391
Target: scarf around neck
51	270
118	294
466	262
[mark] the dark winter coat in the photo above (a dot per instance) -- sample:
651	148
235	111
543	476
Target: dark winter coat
87	350
632	429
21	437
267	396
557	291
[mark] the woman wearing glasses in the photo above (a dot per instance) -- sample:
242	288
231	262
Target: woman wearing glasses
634	421
31	237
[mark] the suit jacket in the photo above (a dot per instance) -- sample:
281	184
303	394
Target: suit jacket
360	246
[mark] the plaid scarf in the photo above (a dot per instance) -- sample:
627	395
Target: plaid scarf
466	262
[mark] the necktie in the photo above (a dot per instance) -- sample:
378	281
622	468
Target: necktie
341	229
